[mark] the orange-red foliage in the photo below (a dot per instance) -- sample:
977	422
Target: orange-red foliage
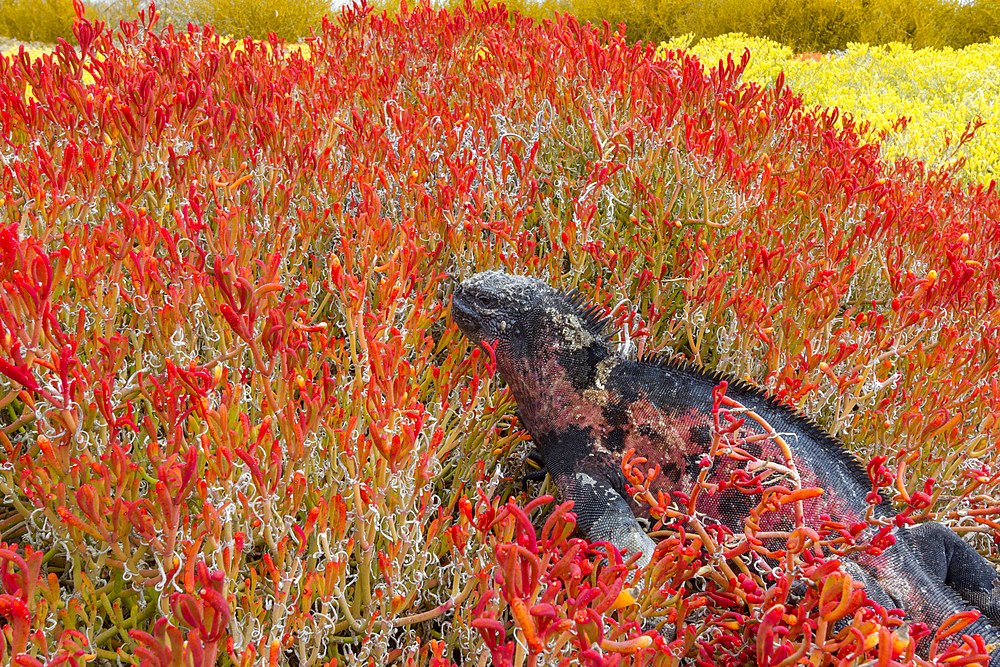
239	426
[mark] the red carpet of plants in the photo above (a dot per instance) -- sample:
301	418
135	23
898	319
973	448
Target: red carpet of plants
237	425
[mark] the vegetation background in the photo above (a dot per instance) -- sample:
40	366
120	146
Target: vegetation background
346	499
802	25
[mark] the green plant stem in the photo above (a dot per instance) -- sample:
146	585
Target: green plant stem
131	622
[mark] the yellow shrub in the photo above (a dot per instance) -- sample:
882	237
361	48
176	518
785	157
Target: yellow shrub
37	20
256	18
941	90
804	25
767	57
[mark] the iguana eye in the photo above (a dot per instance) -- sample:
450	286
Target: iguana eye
489	301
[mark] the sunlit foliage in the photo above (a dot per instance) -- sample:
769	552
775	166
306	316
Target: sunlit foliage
239	427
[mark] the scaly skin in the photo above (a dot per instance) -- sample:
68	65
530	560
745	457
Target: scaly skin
585	406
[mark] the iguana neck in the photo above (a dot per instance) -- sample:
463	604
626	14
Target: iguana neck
560	385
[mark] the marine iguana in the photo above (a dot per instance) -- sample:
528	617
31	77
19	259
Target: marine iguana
585	406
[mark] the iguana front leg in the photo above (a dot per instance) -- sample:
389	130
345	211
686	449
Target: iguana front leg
953	561
586	473
603	514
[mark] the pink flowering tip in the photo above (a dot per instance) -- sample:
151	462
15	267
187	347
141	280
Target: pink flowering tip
544	610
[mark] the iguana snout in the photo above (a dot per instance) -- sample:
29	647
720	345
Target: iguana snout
493	306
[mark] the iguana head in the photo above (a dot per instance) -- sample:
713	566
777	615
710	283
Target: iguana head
494	306
522	313
541	333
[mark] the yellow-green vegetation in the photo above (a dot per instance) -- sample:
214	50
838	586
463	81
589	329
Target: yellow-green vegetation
37	20
49	20
804	25
256	18
941	91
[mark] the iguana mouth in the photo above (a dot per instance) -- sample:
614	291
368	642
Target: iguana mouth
465	317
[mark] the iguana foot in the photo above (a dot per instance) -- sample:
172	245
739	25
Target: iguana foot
538	470
955	562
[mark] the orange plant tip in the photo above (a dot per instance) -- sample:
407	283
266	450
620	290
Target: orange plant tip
624	599
629	646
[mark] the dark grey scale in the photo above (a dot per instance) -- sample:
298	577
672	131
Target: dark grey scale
618	482
734	507
672	472
631	381
581	367
873	589
616	414
564	451
570	452
953	561
693	465
614	440
648	431
701	437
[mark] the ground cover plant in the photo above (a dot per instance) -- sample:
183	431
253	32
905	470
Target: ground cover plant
239	427
947	96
